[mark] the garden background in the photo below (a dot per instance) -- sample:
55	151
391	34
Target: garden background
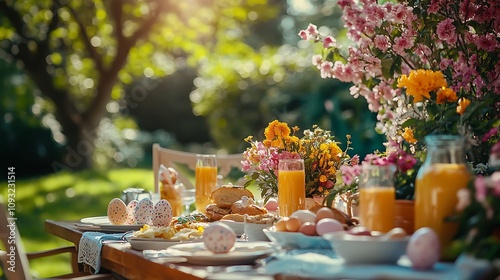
87	88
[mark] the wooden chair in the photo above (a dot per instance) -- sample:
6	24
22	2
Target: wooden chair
15	261
182	160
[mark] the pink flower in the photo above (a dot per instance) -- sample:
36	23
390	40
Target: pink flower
350	173
495	182
303	34
326	69
489	134
329	42
312	30
487	42
401	44
310	33
446	31
481	188
317	60
382	42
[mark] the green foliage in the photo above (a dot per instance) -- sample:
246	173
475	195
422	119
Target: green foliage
66	196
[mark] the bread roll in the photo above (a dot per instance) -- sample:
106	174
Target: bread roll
225	196
215	213
252	209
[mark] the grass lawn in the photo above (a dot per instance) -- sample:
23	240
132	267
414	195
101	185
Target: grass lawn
68	196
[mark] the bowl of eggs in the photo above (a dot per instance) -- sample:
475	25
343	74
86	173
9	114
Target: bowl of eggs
359	245
304	229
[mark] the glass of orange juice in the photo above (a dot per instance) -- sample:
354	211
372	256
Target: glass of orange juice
291	186
206	180
377	197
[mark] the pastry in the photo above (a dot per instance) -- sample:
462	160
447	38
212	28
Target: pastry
226	195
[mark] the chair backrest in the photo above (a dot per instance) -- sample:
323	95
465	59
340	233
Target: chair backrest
14	260
182	160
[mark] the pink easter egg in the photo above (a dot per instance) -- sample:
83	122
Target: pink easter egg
117	212
219	238
130	212
162	213
143	212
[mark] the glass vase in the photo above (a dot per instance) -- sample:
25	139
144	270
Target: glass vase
442	174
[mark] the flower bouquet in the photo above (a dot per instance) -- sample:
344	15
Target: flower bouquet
398	44
322	157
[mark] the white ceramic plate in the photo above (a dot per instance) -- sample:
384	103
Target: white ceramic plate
101	223
296	240
243	253
155	243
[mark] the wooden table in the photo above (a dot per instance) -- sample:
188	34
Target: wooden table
131	264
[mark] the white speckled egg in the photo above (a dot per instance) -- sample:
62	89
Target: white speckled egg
219	238
117	212
130	211
424	248
162	213
143	212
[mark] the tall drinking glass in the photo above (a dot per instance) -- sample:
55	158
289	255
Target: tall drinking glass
291	186
206	180
377	197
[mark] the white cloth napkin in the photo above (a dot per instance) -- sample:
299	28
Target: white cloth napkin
89	248
319	266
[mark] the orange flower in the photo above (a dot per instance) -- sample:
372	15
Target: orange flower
446	95
408	136
463	103
421	82
276	129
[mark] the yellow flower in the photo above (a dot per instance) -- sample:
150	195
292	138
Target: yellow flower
446	95
276	129
322	178
408	136
335	151
421	82
463	103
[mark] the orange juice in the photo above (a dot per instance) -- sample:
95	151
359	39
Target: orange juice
169	193
436	197
206	182
376	208
291	191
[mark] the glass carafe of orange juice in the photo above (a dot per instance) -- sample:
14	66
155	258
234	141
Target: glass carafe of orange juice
377	197
206	180
443	173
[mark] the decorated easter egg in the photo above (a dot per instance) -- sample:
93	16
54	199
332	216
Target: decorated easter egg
143	212
162	213
219	238
130	212
117	211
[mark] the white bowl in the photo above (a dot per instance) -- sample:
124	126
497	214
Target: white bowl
238	227
254	232
367	249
